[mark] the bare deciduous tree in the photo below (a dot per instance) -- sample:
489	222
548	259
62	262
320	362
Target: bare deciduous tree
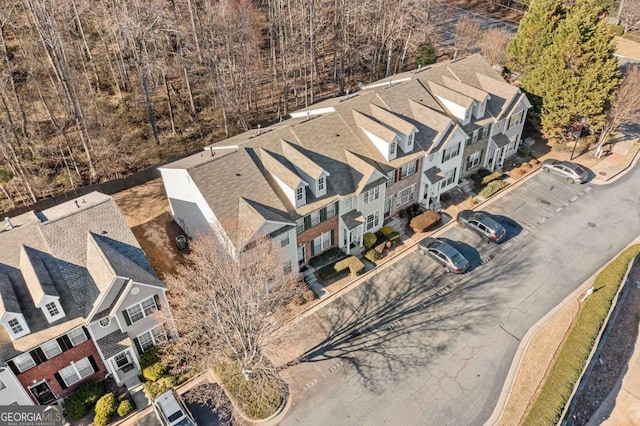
624	108
467	34
493	45
224	307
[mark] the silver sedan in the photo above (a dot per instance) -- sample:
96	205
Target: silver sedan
570	171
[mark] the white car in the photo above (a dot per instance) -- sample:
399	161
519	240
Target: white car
171	410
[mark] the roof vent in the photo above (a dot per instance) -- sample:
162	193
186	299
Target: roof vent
259	130
77	205
9	224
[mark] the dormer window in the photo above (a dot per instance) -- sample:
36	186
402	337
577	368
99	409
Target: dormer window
321	184
299	194
467	115
16	327
392	149
410	141
52	309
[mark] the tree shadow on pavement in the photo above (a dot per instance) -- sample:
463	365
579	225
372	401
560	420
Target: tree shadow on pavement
397	323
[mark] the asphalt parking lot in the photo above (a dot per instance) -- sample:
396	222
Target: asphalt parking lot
415	345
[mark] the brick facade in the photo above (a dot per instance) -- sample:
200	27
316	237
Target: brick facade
394	189
305	237
47	369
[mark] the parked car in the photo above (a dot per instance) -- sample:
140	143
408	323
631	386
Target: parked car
570	171
482	224
445	254
172	411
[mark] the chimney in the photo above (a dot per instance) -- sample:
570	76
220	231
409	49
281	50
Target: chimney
77	205
9	224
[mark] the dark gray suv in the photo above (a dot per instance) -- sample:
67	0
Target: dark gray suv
482	224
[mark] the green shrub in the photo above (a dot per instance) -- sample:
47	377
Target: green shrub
387	230
483	172
372	255
154	371
328	272
524	151
616	30
424	221
90	392
525	165
426	54
490	178
492	188
573	354
394	236
369	240
75	407
106	408
161	385
352	263
149	358
125	407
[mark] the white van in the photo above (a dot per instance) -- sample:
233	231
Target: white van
171	410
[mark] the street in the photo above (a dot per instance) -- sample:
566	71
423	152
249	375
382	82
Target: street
414	345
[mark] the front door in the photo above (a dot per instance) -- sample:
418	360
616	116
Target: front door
387	207
42	393
123	362
301	255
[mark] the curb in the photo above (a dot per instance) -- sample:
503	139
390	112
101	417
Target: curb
626	167
578	387
272	419
516	364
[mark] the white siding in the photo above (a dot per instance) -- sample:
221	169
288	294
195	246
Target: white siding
456	110
12	392
381	145
189	208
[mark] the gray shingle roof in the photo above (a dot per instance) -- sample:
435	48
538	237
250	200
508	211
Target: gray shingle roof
392	120
8	298
500	140
55	244
464	88
434	174
299	160
352	219
450	95
36	275
113	343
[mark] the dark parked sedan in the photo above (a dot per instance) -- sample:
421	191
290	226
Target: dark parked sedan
445	254
570	171
482	224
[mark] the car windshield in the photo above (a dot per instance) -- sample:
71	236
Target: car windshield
185	422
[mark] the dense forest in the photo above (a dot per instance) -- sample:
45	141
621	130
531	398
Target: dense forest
94	90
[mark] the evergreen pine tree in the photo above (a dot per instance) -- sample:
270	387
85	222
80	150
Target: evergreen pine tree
577	75
534	35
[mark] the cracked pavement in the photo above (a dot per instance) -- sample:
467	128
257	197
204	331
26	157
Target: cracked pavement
398	350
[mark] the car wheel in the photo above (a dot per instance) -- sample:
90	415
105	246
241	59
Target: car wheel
485	239
546	169
570	180
462	224
422	252
447	269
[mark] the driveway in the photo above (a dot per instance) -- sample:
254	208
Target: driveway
415	346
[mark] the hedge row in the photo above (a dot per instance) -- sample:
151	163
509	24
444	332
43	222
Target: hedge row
575	351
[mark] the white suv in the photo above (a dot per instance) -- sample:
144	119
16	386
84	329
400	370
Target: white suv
171	410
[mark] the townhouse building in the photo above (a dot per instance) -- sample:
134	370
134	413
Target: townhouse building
338	169
79	300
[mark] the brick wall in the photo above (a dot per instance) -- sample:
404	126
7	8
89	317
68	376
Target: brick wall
393	189
305	237
47	369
